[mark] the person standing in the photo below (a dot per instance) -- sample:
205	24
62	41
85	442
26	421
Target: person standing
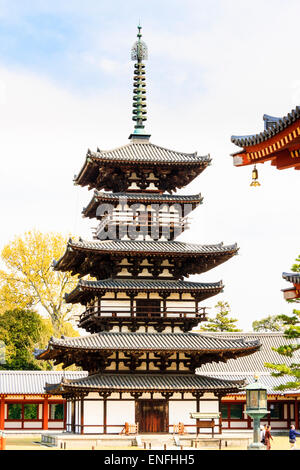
292	436
268	437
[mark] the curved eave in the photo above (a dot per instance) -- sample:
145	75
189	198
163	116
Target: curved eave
292	277
137	155
77	253
148	247
138	198
281	125
87	290
153	383
189	343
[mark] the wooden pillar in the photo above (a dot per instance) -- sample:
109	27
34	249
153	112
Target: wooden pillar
105	416
45	413
296	411
289	404
2	413
104	396
82	415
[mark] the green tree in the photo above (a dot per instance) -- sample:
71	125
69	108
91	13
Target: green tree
270	323
291	332
21	331
221	322
29	280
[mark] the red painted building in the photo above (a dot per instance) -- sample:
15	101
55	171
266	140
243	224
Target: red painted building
24	405
293	292
284	406
279	143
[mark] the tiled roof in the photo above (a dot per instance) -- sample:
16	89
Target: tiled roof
279	125
265	378
32	382
292	277
141	285
255	362
152	341
147	197
88	289
149	382
130	198
147	152
133	246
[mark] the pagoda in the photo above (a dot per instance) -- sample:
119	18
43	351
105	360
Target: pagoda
140	352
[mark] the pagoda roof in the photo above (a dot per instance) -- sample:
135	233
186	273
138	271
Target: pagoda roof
274	126
132	198
86	290
148	382
292	277
153	247
109	169
183	342
146	152
87	257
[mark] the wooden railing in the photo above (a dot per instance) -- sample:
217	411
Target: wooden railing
186	312
168	221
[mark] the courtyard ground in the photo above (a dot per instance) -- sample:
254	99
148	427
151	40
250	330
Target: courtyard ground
30	443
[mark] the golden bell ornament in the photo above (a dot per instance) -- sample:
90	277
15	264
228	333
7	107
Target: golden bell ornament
255	177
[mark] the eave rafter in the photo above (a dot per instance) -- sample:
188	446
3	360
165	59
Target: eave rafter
99	261
98	361
279	144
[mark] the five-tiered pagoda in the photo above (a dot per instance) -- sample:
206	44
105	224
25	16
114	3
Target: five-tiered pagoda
140	353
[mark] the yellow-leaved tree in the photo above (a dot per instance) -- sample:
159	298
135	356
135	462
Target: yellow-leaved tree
28	279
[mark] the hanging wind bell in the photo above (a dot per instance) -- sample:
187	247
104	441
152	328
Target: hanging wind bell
255	177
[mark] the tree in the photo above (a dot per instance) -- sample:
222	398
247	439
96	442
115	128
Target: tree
221	322
20	332
29	280
292	332
270	323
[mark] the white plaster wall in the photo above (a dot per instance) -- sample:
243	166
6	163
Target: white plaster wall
56	425
278	424
13	425
209	406
119	413
238	424
32	424
68	416
93	417
179	412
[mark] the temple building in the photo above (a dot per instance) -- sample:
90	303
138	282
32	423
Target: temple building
279	143
292	293
140	352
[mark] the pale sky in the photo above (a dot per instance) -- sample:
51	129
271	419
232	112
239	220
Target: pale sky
215	67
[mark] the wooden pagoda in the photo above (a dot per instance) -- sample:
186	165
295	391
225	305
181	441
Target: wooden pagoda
140	353
279	143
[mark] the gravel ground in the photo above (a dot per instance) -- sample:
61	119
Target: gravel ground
279	443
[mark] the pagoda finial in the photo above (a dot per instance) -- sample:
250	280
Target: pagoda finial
139	53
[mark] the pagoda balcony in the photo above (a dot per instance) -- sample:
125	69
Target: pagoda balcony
96	319
140	312
125	224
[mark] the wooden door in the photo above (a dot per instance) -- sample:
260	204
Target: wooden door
146	307
152	416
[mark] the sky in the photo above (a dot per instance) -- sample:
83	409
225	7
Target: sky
215	67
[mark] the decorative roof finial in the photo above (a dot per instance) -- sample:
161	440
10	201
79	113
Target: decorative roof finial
139	53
